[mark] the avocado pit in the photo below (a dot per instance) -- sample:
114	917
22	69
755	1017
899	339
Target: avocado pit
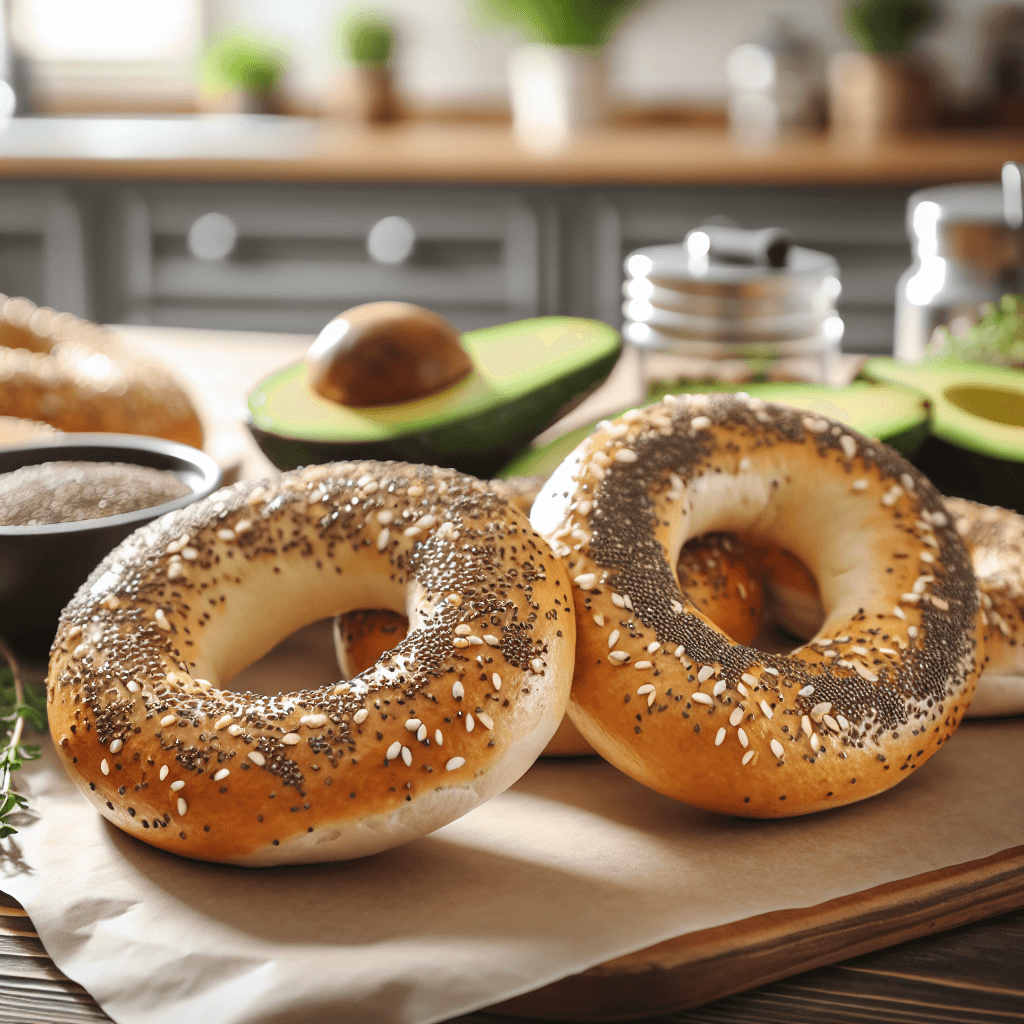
383	353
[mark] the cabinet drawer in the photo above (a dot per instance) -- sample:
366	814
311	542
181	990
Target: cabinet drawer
302	254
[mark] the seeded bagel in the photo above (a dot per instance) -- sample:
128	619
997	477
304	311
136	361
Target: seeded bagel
669	698
77	376
454	714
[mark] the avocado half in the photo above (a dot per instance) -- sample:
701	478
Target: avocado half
976	447
894	414
525	375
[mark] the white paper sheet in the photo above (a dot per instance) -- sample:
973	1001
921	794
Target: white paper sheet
573	866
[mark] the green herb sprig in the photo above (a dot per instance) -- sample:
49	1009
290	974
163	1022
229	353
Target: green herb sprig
18	704
997	337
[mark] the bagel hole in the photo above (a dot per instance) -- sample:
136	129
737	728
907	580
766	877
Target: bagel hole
759	594
302	661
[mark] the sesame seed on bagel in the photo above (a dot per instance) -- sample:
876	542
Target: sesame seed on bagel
994	538
360	637
444	720
680	706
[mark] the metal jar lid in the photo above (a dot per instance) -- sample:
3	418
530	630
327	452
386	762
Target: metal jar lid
672	267
981	202
977	223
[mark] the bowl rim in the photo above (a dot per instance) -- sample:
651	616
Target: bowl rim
63	450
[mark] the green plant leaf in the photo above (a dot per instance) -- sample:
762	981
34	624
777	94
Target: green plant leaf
367	39
14	752
888	26
562	22
244	61
997	337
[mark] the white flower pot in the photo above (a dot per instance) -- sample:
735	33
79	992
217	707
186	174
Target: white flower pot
555	92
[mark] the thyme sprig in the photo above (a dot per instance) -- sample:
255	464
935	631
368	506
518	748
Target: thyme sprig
18	704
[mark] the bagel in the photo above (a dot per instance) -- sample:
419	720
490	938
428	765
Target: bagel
455	715
362	637
712	569
14	431
719	574
77	376
669	698
994	538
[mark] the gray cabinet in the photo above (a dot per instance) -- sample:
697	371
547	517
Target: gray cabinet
42	248
299	254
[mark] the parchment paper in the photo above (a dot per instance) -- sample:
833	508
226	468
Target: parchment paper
576	864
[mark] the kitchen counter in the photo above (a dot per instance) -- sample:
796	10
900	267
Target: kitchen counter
296	149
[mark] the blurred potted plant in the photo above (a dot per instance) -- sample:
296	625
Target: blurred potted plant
885	87
246	70
365	90
558	82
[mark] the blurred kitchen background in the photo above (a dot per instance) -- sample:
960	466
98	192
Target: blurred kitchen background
264	164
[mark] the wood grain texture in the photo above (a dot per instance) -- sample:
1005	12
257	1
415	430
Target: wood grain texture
970	975
708	965
309	149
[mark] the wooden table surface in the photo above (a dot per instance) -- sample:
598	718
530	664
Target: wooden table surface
260	148
969	975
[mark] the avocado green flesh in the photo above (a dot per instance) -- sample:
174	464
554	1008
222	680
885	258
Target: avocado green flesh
975	407
976	449
526	374
892	414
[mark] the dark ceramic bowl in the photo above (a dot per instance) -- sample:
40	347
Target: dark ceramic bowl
41	567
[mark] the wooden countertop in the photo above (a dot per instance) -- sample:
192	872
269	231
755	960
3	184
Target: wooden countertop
297	149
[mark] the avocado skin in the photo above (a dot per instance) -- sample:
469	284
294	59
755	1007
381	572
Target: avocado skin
955	468
544	460
478	445
965	474
909	442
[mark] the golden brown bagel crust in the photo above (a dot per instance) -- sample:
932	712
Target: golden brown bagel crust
668	698
77	376
453	715
995	540
719	574
361	637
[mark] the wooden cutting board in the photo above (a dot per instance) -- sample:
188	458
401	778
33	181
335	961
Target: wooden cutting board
707	965
912	984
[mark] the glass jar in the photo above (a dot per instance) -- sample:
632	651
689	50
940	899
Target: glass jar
697	316
968	246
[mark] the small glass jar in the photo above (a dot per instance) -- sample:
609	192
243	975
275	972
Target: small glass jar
696	316
968	248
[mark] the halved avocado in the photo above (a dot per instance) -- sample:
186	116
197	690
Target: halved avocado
976	447
891	413
525	375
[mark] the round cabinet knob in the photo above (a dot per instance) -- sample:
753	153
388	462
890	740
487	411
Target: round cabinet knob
391	241
212	237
